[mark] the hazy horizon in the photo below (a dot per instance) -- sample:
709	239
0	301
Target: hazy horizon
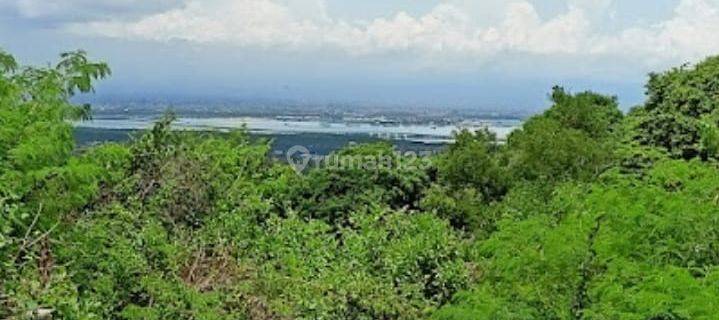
453	53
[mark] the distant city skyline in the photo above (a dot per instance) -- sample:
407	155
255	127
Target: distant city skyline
457	53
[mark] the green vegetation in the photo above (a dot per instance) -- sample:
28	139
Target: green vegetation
682	103
585	213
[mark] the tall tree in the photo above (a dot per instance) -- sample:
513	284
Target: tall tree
679	100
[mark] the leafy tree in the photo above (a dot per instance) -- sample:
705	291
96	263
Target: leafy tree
630	248
472	161
594	114
470	175
545	149
464	208
678	101
388	265
574	139
360	177
40	183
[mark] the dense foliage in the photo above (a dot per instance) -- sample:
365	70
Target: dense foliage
585	213
681	114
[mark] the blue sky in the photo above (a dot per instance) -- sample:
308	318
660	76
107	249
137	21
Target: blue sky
485	54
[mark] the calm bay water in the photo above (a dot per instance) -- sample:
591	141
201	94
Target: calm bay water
320	137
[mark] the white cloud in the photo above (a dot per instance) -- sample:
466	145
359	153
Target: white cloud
241	22
446	30
524	31
688	36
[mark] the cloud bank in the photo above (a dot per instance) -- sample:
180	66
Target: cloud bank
445	32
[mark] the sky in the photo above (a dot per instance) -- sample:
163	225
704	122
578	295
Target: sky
488	54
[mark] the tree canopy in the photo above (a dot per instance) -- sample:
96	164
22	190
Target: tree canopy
584	213
680	114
